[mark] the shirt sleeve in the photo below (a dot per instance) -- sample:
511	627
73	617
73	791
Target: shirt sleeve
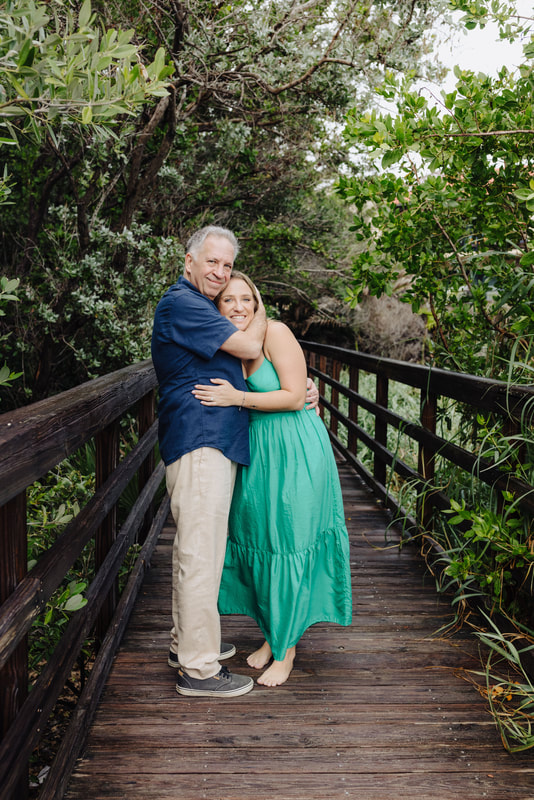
193	322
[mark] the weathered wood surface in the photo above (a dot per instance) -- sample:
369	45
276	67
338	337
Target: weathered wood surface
483	393
33	439
377	711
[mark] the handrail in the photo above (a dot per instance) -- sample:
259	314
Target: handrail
513	403
34	440
483	393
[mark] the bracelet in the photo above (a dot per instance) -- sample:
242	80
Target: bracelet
243	401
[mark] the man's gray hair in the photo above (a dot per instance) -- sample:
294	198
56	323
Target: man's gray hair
198	238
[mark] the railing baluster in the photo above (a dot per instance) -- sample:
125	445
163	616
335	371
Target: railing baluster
381	429
322	368
146	414
354	383
13	568
107	458
336	372
426	460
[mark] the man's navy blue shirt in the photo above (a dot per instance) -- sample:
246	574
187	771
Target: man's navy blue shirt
188	332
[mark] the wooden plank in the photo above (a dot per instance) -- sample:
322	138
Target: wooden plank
466	784
332	760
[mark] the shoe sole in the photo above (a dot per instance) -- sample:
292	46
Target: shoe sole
222	656
215	693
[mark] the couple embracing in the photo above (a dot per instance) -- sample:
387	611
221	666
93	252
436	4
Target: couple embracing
254	489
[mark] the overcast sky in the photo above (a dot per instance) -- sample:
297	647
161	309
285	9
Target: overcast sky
482	50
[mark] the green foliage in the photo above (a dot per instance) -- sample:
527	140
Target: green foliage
52	503
55	67
454	220
104	317
508	686
48	628
495	557
247	136
7	287
488	538
480	12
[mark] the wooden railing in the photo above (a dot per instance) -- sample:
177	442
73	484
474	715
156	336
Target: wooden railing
513	404
33	440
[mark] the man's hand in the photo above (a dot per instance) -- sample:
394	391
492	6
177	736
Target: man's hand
312	396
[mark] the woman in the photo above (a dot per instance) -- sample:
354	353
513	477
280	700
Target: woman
287	558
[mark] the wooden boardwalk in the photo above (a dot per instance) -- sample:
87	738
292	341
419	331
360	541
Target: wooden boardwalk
377	711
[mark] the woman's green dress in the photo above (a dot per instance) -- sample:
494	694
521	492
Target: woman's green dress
287	559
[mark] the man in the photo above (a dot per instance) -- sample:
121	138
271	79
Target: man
201	447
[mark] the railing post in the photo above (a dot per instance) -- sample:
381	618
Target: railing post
145	416
13	568
426	461
354	384
322	368
334	398
381	429
107	458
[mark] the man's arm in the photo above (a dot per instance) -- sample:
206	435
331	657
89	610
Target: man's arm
248	344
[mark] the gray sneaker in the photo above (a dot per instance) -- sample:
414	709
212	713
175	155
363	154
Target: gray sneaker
227	651
224	684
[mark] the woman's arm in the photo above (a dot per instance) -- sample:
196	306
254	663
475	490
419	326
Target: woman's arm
248	344
285	353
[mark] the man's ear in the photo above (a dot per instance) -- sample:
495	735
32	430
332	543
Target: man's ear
188	262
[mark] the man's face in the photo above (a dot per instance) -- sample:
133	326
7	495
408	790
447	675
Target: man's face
210	268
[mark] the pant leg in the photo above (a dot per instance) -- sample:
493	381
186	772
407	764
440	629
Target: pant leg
200	485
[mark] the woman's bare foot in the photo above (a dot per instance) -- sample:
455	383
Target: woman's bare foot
259	658
279	671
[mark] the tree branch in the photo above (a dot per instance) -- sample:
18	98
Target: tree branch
325	59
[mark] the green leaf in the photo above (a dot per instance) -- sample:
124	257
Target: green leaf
391	157
87	115
18	87
26	54
527	259
84	16
75	602
9	285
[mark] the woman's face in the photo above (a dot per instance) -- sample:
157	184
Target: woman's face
237	303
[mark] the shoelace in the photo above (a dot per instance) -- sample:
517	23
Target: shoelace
224	672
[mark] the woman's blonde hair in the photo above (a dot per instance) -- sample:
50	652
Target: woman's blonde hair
241	277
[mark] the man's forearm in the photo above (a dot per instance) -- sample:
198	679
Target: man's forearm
256	332
248	344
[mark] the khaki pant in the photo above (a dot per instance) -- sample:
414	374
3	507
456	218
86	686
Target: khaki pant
200	485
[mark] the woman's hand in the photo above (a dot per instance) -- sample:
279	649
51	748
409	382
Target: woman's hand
221	393
312	396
